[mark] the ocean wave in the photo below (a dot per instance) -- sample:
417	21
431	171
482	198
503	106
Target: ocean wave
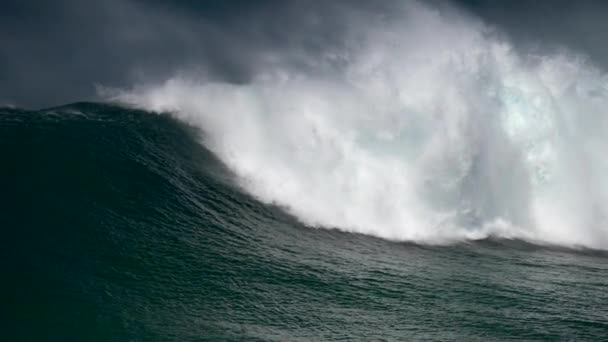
405	137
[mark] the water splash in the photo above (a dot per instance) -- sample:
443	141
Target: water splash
424	126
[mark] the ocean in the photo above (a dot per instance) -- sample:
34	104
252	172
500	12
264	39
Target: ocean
119	224
344	170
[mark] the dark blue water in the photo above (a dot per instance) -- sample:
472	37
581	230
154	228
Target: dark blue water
119	225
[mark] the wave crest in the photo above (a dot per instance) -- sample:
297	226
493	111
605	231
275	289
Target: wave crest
424	126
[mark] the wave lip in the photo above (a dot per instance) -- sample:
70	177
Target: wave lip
432	130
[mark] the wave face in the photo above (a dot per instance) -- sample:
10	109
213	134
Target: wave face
118	225
424	126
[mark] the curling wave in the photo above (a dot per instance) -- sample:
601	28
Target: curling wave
423	126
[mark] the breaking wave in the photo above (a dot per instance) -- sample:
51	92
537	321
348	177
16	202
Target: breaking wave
425	125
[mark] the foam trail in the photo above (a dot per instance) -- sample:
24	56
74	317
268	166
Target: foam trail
428	128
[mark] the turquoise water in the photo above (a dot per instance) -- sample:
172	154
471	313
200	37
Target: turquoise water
119	225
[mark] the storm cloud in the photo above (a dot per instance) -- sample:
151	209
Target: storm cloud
57	52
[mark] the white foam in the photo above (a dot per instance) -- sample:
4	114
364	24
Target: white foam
432	130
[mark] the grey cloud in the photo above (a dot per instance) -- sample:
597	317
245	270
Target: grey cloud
53	53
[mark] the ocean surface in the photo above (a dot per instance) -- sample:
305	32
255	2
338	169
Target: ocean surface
121	224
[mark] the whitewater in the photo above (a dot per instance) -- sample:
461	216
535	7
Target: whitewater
424	125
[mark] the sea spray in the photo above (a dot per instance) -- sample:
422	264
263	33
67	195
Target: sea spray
424	126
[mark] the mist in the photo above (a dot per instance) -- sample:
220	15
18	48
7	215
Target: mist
61	52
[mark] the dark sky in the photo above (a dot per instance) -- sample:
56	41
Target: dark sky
56	52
